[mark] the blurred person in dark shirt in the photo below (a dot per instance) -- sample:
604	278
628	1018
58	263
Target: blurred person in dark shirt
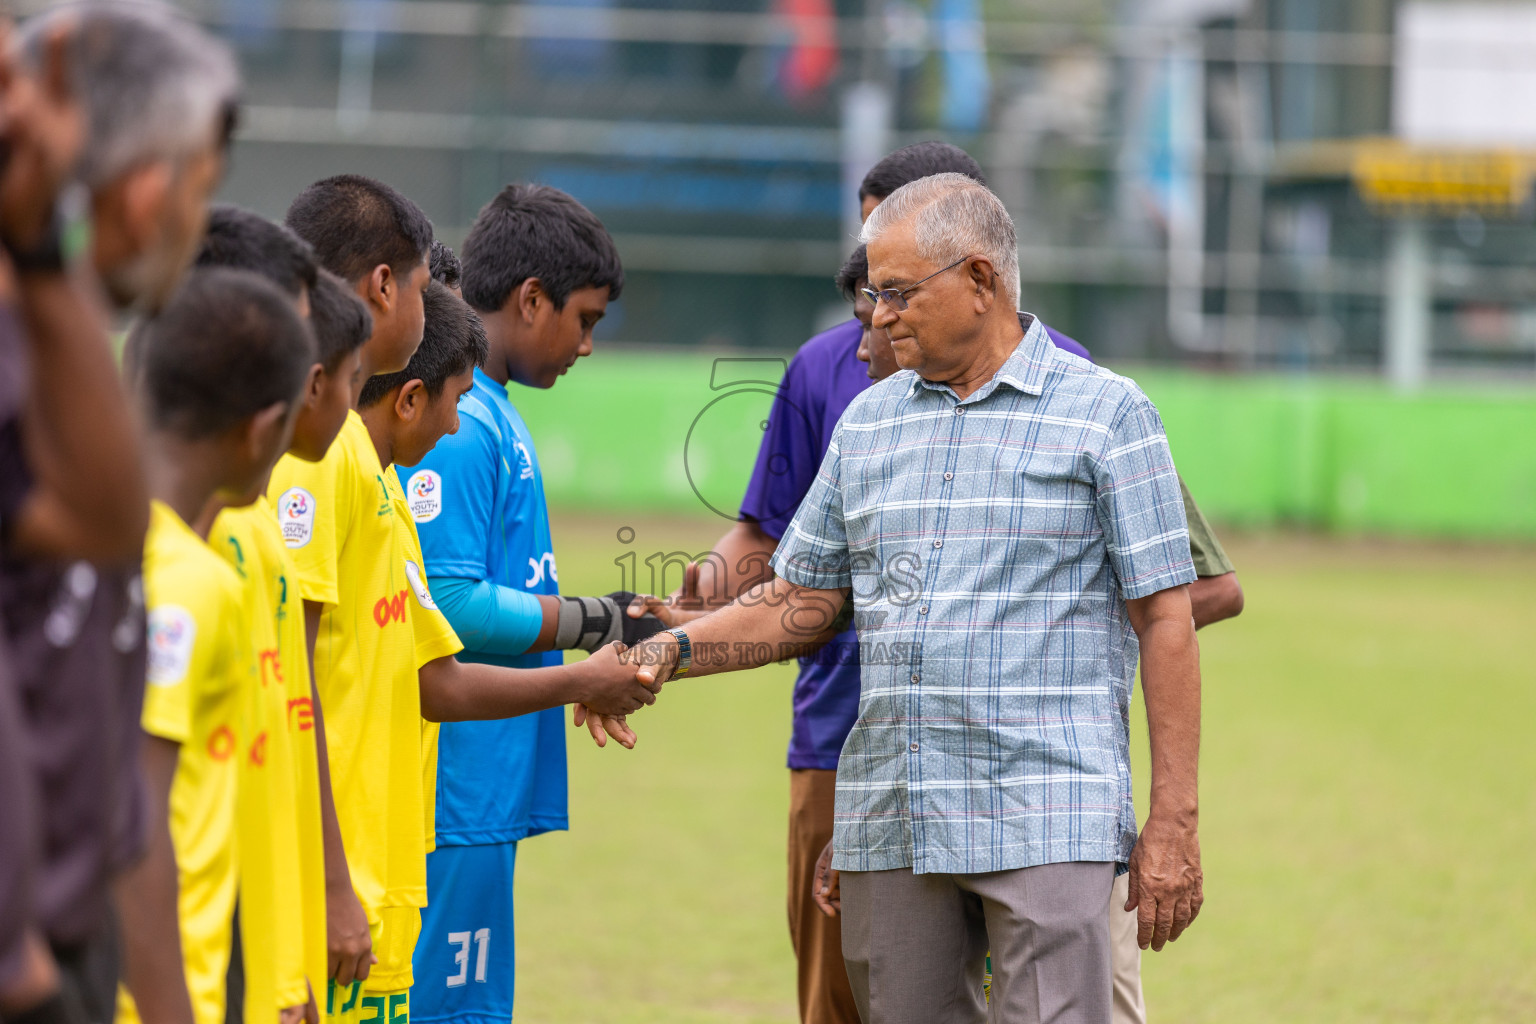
146	99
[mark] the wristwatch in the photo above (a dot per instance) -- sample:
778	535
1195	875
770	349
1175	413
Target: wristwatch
684	653
64	240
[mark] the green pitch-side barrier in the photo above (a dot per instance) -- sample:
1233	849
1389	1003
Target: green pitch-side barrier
678	433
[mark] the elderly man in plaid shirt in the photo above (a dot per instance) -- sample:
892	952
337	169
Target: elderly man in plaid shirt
1007	519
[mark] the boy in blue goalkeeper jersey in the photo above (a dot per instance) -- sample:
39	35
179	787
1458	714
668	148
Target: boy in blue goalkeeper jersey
540	270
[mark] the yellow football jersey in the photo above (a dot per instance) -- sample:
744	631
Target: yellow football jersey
299	716
200	665
353	543
273	894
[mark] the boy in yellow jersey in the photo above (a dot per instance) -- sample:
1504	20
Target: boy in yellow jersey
219	371
374	240
282	891
383	652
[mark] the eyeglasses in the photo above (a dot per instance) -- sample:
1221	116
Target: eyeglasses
896	298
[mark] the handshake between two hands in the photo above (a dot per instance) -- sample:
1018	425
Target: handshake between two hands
624	676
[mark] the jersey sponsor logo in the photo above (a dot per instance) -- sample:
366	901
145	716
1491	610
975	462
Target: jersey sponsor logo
424	494
171	634
301	714
296	516
390	608
271	667
419	584
542	568
221	743
258	754
524	461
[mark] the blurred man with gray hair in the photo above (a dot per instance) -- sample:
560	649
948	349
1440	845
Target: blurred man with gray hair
159	96
1007	519
146	100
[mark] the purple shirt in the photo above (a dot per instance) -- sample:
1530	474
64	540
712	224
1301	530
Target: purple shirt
823	377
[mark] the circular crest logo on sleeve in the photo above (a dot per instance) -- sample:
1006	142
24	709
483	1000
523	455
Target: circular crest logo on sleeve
296	516
424	494
172	633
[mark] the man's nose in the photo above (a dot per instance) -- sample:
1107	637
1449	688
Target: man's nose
884	315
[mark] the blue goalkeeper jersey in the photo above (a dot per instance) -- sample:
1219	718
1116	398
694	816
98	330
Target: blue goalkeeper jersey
478	502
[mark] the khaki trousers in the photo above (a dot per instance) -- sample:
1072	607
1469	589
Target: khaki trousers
914	945
1126	956
825	997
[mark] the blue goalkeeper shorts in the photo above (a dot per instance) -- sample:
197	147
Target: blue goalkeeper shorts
465	962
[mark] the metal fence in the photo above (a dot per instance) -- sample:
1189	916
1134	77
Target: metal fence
1186	174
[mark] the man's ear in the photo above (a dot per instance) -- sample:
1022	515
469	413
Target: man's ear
983	277
411	401
380	288
314	384
528	296
264	432
142	195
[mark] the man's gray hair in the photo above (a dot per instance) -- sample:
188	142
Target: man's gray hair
953	216
154	85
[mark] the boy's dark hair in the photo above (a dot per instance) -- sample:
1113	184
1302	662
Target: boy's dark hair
356	223
854	269
537	231
919	160
339	319
248	241
226	345
452	341
445	265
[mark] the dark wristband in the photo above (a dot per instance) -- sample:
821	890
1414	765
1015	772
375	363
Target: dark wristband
64	240
44	257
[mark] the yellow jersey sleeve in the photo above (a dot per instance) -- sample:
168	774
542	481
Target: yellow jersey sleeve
314	505
192	648
434	637
175	659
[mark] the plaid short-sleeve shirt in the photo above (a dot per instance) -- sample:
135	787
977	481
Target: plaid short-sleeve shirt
991	545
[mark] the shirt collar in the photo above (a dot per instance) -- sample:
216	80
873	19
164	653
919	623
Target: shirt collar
483	379
1025	368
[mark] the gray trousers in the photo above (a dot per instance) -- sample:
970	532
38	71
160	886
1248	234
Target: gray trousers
915	945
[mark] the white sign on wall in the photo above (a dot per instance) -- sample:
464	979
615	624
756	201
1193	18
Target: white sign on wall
1465	74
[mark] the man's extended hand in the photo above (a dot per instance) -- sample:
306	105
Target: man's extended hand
611	686
603	726
653	660
1166	883
826	884
349	947
682	607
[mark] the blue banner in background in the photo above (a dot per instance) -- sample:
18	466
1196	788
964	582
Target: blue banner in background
967	82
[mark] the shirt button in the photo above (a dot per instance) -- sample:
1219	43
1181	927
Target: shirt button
949	476
915	677
922	610
959	410
913	748
938	543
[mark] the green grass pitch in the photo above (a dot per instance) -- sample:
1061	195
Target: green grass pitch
1368	808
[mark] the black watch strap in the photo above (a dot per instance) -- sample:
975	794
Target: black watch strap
65	239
